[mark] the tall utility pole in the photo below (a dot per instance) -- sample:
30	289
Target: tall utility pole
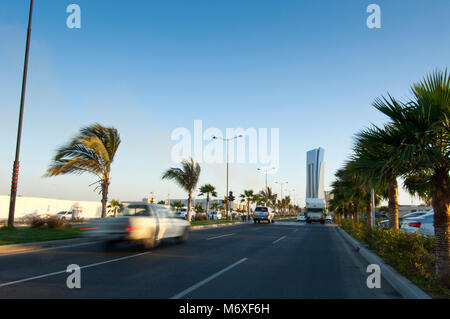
281	186
227	140
15	173
265	171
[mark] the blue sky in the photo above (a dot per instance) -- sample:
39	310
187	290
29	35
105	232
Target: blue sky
309	68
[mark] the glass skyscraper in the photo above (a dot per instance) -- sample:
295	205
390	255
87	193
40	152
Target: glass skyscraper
315	168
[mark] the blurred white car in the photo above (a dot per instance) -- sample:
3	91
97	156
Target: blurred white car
329	218
140	222
301	218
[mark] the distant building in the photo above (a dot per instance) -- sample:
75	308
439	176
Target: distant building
315	168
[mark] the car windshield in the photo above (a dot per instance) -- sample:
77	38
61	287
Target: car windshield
261	209
135	210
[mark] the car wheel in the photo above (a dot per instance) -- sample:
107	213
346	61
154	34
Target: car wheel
273	220
150	243
183	238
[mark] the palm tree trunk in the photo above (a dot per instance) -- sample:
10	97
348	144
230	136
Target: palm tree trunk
356	212
248	210
369	210
104	197
441	206
207	206
189	206
393	203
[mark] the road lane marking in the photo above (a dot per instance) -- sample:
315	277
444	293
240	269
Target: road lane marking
48	248
210	238
205	281
65	271
276	241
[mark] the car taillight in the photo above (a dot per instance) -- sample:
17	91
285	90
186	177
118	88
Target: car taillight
268	214
414	224
129	228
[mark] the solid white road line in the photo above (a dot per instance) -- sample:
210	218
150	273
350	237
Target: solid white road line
276	241
205	281
210	238
49	248
64	271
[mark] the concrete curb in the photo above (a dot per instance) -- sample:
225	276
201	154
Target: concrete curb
14	248
402	285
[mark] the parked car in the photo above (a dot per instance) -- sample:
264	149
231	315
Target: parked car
329	218
377	215
214	215
410	215
64	215
427	225
148	224
263	213
301	217
424	222
383	223
182	212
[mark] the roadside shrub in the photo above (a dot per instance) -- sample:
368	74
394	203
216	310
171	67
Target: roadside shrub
54	222
37	222
411	254
200	216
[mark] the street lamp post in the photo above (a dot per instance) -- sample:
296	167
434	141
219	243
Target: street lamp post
227	140
281	186
15	174
265	171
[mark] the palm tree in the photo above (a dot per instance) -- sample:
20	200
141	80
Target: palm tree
248	197
370	160
209	190
421	136
186	177
268	197
92	151
215	206
177	204
114	207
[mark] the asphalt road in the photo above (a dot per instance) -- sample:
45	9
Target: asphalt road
282	260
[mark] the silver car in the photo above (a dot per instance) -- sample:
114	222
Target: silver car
422	224
263	213
408	222
427	225
140	222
